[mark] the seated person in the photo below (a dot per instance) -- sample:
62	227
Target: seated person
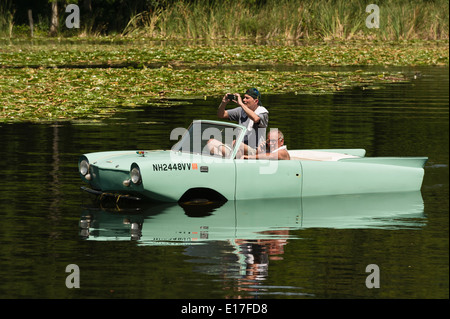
272	149
216	147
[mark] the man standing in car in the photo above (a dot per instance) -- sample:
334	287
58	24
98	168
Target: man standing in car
250	113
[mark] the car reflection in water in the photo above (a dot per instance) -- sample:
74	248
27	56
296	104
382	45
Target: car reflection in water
255	231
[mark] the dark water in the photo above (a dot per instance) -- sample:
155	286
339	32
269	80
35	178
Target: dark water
279	249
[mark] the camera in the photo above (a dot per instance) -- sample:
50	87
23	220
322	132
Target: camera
231	97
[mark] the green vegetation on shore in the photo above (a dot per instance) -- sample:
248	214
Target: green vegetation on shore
293	19
233	19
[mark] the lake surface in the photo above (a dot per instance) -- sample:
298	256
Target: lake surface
299	249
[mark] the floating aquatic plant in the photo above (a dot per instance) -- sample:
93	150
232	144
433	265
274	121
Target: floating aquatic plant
74	81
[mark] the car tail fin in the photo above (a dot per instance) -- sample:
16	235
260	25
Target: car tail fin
417	162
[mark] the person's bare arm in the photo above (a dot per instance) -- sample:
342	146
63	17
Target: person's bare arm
280	155
221	112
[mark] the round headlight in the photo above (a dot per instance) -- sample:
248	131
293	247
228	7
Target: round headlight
84	167
135	175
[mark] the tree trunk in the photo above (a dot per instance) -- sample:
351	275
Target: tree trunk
87	5
55	19
88	20
30	20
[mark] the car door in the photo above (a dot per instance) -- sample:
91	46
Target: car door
268	179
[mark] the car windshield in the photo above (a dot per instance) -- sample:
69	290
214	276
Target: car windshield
206	138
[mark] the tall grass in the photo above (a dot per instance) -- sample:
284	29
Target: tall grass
293	19
275	20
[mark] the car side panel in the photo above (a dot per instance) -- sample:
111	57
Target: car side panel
358	176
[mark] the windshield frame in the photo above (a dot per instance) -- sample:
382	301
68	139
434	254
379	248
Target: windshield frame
195	138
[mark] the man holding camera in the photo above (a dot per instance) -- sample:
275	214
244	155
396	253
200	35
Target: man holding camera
250	113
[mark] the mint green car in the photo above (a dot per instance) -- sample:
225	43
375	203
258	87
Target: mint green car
194	170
